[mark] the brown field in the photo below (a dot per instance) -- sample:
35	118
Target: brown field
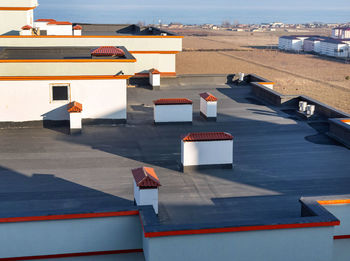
233	52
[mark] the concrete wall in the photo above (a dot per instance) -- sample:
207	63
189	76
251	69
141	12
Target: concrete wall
206	153
65	68
306	244
31	100
59	29
341	246
173	113
70	236
15	20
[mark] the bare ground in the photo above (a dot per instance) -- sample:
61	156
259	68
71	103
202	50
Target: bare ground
233	52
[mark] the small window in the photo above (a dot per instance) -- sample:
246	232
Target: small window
60	93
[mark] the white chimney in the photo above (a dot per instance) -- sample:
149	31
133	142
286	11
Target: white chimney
146	184
75	118
208	106
77	30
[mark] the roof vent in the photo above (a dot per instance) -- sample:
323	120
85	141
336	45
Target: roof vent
107	51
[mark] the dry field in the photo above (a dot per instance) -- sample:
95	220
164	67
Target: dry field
233	52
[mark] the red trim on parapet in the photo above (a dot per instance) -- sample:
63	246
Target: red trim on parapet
98	253
334	202
239	229
69	216
342	237
173	101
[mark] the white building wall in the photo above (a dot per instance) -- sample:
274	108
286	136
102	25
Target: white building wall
173	113
341	246
167	63
59	29
15	20
41	25
206	152
70	236
334	49
304	244
31	100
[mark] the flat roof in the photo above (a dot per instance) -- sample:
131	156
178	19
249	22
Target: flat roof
278	158
59	52
120	29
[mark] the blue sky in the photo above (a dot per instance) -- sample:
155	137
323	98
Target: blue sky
195	11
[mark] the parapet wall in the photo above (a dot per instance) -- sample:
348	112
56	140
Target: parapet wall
278	99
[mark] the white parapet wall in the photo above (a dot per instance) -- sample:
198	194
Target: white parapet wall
341	209
303	244
267	84
173	110
71	236
102	99
207	149
208	106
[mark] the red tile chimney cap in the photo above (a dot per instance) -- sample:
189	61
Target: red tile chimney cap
208	97
145	177
207	136
75	107
154	71
26	27
77	27
172	101
107	51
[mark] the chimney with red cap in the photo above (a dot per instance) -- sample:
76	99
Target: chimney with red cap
75	118
77	30
146	184
207	150
208	106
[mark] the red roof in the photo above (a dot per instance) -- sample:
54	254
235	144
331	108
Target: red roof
26	27
145	177
59	23
75	107
207	136
154	71
107	51
45	20
77	27
172	101
208	97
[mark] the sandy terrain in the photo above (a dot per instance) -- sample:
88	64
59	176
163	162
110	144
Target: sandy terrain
233	52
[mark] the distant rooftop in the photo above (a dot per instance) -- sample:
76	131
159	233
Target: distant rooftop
32	53
120	29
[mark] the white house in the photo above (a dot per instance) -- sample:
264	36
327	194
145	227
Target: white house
334	48
57	76
291	43
313	44
341	32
